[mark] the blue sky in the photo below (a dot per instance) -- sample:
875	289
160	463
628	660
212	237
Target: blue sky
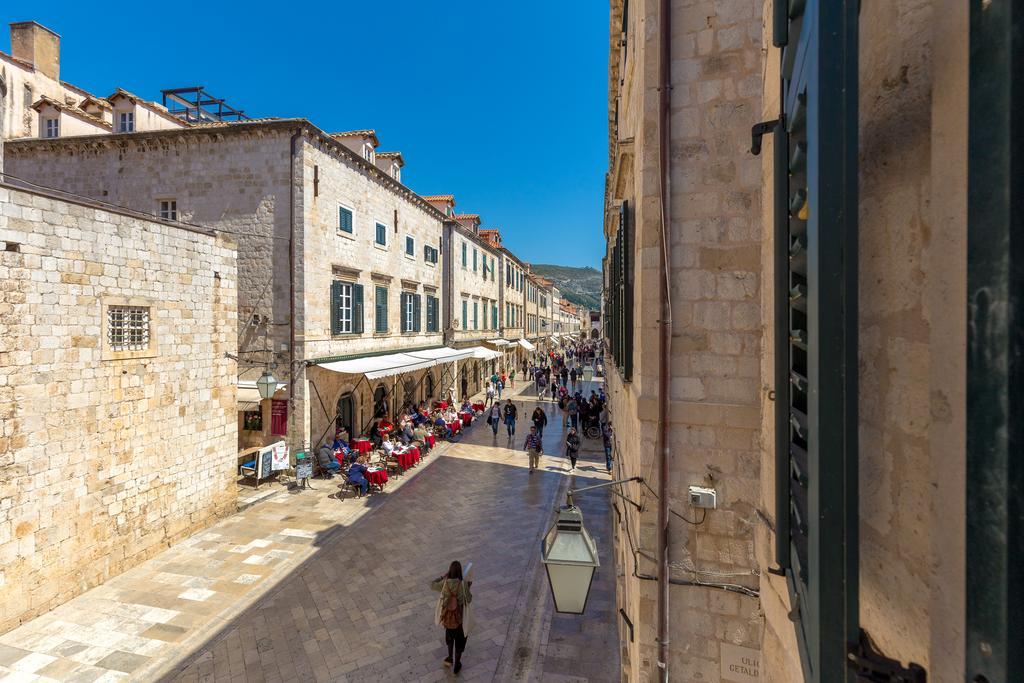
502	104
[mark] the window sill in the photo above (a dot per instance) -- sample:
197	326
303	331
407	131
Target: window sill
409	256
378	245
346	235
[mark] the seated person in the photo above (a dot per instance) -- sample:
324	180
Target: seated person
441	425
384	426
420	434
420	417
344	450
406	433
387	447
357	474
467	407
325	458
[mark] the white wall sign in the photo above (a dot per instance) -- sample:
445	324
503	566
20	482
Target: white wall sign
740	664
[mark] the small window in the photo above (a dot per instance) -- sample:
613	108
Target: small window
169	209
52	128
396	172
382	234
128	328
429	254
126	122
368	152
344	220
410	246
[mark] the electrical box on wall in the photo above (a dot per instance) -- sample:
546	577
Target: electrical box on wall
702	497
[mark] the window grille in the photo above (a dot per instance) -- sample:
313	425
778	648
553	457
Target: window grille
128	328
169	209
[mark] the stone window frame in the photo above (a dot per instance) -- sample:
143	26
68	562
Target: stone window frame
109	354
55	121
126	122
377	225
410	251
168	212
352	221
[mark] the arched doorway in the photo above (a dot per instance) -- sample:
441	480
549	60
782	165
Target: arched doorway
429	383
380	401
464	384
408	391
344	418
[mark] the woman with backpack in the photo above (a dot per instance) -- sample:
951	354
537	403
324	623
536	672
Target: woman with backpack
453	612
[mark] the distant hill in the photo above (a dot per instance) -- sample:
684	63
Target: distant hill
582	286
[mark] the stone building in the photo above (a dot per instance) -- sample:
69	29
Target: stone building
841	323
117	396
337	259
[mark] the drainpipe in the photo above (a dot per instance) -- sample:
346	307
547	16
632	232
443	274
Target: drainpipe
665	333
292	373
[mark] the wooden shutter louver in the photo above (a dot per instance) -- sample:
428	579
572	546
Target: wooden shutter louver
335	307
416	312
357	309
816	328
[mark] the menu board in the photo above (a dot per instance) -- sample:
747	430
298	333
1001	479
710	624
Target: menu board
279	456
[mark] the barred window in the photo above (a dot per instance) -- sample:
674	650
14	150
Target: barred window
169	209
128	328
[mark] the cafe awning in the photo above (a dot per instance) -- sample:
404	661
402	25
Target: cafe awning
526	345
375	367
248	396
445	354
480	353
498	342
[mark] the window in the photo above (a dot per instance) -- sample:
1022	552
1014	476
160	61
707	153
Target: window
381	237
465	251
429	254
126	122
345	219
432	315
465	314
410	246
346	308
474	259
128	328
494	316
410	312
368	153
380	309
52	128
476	307
169	209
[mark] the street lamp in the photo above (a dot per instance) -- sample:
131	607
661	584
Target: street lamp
570	558
569	553
267	385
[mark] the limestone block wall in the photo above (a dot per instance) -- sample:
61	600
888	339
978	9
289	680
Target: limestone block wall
107	457
473	286
715	281
331	254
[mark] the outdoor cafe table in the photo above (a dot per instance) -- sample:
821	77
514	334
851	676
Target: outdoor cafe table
467	418
408	457
443	405
456	426
362	445
431	440
479	406
377	476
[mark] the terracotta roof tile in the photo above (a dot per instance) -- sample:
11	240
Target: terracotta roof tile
73	111
440	198
366	133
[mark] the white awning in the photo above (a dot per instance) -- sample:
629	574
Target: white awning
480	353
498	342
375	367
248	396
526	345
445	354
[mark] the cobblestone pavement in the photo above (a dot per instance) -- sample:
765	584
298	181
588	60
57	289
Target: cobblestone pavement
308	587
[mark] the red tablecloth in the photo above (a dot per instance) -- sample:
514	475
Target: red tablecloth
408	458
478	406
467	418
378	477
340	457
431	440
443	405
361	445
456	426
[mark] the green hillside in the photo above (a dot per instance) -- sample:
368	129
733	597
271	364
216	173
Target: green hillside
582	286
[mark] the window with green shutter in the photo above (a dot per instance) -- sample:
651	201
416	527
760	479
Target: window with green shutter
465	314
494	316
475	311
346	308
815	174
381	309
432	313
344	219
382	234
417	312
465	254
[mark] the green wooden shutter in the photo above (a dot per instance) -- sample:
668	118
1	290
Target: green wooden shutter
357	309
381	309
627	291
335	307
816	351
416	312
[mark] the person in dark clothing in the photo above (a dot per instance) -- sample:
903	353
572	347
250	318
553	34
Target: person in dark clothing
540	419
510	414
452	612
572	448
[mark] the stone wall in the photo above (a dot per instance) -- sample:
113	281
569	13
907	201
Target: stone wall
471	285
107	457
715	272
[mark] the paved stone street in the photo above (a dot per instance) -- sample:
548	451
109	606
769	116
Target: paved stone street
304	586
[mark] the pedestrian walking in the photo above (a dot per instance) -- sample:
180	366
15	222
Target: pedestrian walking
572	448
510	414
494	418
490	395
541	384
498	387
563	405
453	612
533	448
512	378
573	408
540	420
607	436
572	378
554	388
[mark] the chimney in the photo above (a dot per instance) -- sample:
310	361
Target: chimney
37	45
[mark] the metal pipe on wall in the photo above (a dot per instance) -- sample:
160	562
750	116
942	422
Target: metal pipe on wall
665	333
